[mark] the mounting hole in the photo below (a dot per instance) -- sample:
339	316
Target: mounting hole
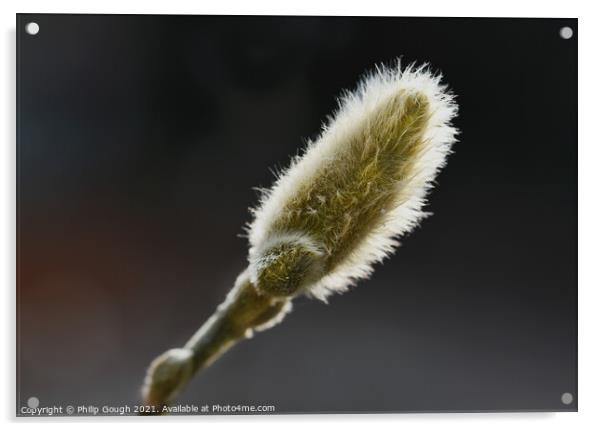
567	398
566	32
32	28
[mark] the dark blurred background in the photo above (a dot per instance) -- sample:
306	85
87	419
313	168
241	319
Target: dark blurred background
140	139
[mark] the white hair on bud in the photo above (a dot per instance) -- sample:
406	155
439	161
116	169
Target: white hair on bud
354	107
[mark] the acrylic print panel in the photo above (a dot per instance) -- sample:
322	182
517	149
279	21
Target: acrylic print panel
142	141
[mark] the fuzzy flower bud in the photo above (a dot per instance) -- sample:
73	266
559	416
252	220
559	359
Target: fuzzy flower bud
360	185
331	215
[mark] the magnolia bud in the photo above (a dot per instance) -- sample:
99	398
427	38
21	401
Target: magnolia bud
337	210
360	185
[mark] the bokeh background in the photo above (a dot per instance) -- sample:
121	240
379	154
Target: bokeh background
140	139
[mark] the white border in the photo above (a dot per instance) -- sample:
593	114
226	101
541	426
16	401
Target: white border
590	144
